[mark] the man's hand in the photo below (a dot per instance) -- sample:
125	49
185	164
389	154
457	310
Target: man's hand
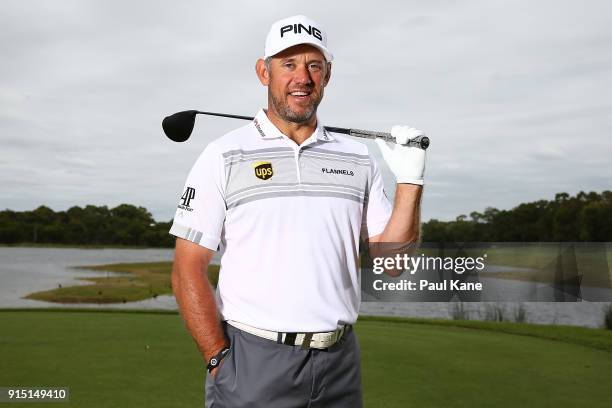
407	163
196	298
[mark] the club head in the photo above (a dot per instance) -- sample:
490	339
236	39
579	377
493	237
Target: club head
178	127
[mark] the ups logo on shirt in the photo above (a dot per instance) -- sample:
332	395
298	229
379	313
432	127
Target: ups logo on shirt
263	170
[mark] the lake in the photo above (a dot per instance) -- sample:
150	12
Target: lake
24	270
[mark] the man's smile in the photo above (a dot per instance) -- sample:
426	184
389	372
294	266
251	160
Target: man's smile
301	95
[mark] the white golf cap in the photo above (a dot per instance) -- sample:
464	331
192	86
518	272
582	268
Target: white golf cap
296	30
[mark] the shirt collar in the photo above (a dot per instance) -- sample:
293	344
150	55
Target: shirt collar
267	130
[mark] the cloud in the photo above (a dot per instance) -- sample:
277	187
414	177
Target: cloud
513	95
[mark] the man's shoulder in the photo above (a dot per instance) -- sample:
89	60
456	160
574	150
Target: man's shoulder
236	137
233	140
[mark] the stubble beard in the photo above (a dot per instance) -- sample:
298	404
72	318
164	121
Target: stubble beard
283	109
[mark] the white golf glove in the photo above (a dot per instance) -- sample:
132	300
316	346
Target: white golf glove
407	163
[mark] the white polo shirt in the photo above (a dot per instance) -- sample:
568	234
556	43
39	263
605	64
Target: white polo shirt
288	219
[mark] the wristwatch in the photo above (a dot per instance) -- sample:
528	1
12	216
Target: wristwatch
216	359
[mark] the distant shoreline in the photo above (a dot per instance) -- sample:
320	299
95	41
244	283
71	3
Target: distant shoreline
130	282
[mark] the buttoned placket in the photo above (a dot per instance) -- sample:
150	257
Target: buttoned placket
271	132
299	163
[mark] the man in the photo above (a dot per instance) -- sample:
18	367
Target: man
288	202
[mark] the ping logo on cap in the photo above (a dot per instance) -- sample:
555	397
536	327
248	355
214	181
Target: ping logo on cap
263	170
298	28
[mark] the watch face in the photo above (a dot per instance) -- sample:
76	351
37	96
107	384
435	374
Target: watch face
213	361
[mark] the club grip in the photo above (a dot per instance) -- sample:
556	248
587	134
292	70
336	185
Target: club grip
422	142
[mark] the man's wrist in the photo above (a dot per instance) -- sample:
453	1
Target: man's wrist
215	349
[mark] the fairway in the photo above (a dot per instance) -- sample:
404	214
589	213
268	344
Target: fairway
103	357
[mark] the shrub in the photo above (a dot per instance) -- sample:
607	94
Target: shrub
520	314
459	311
494	313
608	316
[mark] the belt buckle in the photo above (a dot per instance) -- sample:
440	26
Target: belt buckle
306	342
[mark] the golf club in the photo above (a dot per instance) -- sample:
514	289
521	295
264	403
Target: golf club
178	127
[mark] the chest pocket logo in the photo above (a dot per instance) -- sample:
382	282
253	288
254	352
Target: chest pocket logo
263	170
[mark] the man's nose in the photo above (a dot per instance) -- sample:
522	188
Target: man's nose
302	75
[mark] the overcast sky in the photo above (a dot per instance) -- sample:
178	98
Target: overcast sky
513	94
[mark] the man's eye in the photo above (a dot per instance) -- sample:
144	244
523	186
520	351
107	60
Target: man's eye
288	65
315	67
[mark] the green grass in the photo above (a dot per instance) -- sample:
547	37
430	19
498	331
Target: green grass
425	365
138	281
579	336
102	357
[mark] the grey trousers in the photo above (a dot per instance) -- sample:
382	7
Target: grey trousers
262	373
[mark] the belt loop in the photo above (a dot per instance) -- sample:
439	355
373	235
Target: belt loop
290	339
345	331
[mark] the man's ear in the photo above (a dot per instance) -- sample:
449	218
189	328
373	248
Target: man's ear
262	72
327	74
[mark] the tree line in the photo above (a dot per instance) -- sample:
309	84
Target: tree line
586	217
92	225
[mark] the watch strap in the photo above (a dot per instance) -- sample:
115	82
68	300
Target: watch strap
216	359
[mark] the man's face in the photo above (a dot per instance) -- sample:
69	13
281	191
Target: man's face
296	78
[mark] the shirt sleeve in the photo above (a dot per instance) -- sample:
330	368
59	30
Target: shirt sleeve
201	208
378	208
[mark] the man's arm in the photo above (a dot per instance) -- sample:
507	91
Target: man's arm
404	226
402	232
195	297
